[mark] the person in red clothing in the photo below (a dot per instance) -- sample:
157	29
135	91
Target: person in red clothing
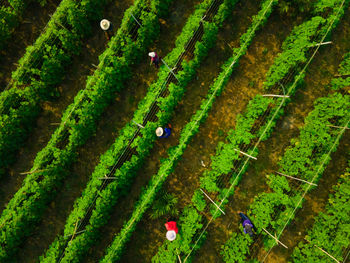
154	59
172	230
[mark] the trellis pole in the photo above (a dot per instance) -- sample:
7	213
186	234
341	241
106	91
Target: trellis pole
324	251
171	70
212	201
246	154
339	127
278	96
275	238
295	178
136	20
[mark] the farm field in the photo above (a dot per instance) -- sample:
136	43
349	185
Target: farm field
257	97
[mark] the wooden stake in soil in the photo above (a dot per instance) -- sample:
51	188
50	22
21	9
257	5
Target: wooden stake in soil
323	251
136	20
32	172
275	238
339	127
138	124
246	154
273	95
171	70
295	178
212	201
321	44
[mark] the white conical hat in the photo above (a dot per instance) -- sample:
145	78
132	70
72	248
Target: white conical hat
159	131
152	54
171	235
105	24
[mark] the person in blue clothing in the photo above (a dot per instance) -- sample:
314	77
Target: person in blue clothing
247	224
163	132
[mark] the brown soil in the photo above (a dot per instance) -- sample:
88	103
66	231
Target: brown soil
32	24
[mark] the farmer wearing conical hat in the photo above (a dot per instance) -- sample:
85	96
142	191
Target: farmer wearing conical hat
106	26
163	132
154	59
172	230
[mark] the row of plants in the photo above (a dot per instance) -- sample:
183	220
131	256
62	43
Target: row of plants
226	156
342	81
78	123
306	159
330	230
116	249
102	200
10	16
40	70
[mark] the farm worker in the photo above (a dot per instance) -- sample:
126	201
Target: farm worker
154	59
106	26
247	224
163	132
172	230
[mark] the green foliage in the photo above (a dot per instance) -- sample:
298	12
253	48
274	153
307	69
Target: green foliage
303	159
78	122
40	70
331	229
143	145
231	251
164	205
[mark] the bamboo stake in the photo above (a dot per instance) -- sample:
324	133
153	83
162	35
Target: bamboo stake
136	20
321	44
76	233
138	124
339	127
246	154
212	201
31	172
275	238
107	178
170	69
323	251
278	96
338	75
296	178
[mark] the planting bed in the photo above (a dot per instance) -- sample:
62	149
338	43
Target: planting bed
83	176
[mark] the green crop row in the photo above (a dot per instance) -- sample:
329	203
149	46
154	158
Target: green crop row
78	123
221	165
331	231
305	159
343	79
107	198
39	71
10	16
116	249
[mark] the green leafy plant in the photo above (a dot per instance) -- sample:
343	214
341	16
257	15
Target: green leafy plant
164	204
